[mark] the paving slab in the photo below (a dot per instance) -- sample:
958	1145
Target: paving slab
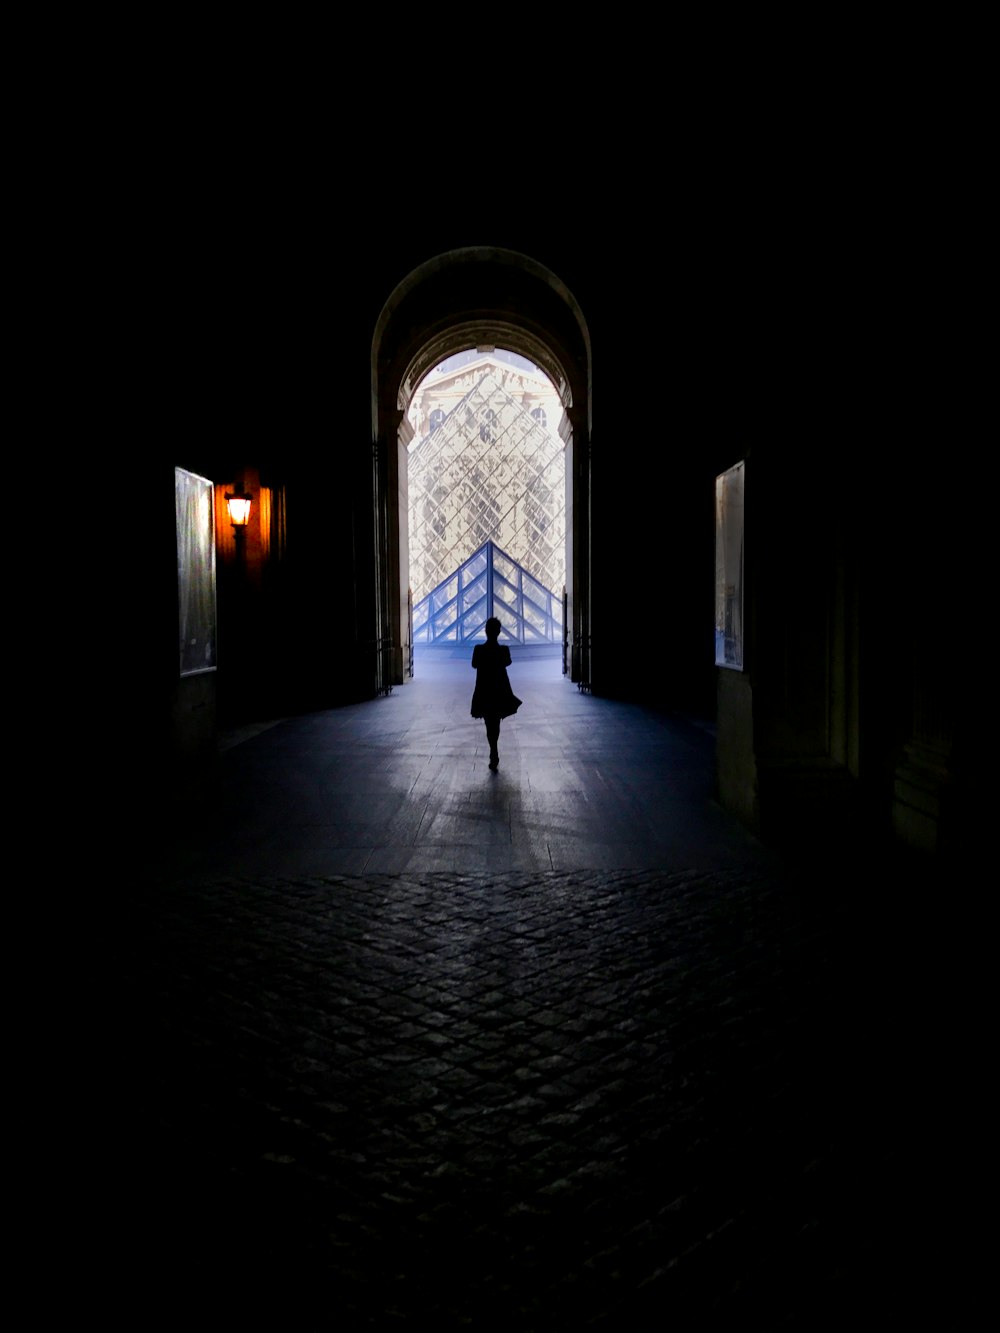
400	1042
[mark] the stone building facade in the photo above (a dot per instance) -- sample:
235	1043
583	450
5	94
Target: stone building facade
485	469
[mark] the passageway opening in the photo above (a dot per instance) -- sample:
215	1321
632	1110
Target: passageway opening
483	507
483	299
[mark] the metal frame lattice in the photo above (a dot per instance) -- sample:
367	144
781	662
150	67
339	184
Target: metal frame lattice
489	473
489	583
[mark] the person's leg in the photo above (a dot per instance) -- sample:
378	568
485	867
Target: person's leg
493	736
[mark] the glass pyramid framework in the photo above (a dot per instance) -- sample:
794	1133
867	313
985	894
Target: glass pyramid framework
488	584
489	473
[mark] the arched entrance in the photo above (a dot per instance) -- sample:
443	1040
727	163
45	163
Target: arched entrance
481	297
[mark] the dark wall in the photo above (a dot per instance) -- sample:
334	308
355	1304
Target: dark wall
761	312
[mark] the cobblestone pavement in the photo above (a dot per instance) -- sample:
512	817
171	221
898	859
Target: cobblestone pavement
534	1102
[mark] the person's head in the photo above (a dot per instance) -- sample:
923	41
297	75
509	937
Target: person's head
493	628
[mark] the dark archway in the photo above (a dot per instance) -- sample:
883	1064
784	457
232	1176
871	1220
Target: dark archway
483	297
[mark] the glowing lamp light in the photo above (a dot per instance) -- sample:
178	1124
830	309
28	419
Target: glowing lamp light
239	509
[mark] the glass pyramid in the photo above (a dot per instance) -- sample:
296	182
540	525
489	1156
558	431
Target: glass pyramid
489	473
489	583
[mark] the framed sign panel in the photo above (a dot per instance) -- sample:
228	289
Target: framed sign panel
194	498
729	568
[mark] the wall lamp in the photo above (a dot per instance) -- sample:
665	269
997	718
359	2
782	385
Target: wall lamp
239	510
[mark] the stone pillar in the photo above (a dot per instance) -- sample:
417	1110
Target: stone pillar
787	723
936	614
386	649
923	775
402	648
573	430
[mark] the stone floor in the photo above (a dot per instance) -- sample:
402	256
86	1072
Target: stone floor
397	1041
403	784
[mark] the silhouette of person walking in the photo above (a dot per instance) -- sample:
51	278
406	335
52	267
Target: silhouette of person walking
493	697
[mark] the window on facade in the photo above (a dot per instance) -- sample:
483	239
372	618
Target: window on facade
539	414
436	419
487	431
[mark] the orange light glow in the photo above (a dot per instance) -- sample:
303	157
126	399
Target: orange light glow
239	509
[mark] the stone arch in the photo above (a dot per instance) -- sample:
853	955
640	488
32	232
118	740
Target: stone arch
480	297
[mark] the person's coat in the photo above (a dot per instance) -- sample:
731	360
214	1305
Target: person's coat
493	696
